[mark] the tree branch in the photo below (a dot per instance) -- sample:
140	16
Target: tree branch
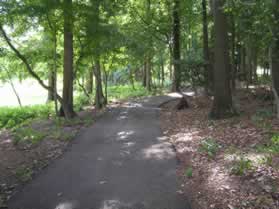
28	67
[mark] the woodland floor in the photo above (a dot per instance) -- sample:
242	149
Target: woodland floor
227	164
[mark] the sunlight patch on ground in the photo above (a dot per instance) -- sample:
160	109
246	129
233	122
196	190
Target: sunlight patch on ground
124	135
218	179
253	157
113	204
66	205
161	151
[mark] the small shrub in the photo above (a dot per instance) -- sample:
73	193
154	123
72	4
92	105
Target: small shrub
272	147
81	101
28	134
59	134
210	147
24	174
241	166
267	160
189	172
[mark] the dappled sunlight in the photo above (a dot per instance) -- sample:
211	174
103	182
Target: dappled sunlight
114	204
184	137
123	135
179	95
162	151
218	178
7	141
132	105
162	138
66	205
253	157
123	115
129	144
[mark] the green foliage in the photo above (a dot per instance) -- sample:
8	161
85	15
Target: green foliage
189	172
241	166
267	160
28	134
24	174
81	101
264	80
260	119
272	147
210	147
60	134
14	116
126	91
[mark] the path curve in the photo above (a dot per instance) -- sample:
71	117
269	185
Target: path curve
121	162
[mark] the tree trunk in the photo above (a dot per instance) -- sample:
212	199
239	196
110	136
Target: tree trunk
89	81
208	74
176	47
171	62
144	74
162	72
67	109
148	73
51	84
274	52
99	95
222	104
233	59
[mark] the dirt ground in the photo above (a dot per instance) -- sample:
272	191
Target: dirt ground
239	175
21	161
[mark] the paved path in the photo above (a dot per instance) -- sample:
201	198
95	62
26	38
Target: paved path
121	162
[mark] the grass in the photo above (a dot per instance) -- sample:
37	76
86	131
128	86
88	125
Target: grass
28	134
127	91
14	116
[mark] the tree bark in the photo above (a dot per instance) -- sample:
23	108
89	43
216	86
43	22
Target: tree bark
144	74
89	81
68	73
274	58
99	95
51	84
176	47
208	73
148	73
222	104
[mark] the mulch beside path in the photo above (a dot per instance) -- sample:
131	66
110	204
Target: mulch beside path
20	162
210	181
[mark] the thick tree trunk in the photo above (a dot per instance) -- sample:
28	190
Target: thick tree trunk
176	47
100	101
67	109
274	52
208	73
222	104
